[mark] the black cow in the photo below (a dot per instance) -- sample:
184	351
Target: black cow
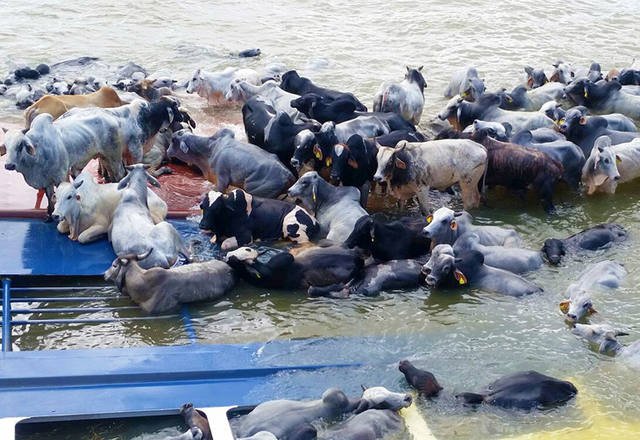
583	131
240	218
294	83
598	237
318	266
396	240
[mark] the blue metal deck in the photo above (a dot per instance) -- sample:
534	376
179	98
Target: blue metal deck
33	247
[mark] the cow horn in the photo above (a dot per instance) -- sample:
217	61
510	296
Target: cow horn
144	255
77	183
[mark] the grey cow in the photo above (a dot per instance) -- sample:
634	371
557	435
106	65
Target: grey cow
158	290
445	226
516	260
132	230
337	209
227	161
466	83
44	167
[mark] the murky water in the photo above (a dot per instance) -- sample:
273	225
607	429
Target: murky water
465	338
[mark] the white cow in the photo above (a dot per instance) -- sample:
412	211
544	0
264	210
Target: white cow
413	168
214	86
608	165
85	209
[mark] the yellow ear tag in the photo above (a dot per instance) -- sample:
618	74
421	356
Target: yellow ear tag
317	152
561	121
429	219
328	161
564	306
454	225
313	195
462	280
586	93
618	160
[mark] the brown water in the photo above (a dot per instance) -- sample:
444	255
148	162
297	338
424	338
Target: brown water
465	338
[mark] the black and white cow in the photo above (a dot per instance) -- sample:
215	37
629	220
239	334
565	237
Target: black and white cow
240	218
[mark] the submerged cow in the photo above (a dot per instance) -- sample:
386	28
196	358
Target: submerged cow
159	290
445	226
516	260
524	390
294	83
239	218
317	266
597	237
605	337
605	273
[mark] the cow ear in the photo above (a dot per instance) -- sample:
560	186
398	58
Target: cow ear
530	82
352	163
453	225
564	306
183	147
618	160
317	152
458	213
30	149
460	277
420	68
400	164
583	120
78	197
408	69
77	183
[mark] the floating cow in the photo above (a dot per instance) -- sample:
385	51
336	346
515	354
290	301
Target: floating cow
316	266
239	218
604	273
214	86
159	290
396	240
597	237
445	226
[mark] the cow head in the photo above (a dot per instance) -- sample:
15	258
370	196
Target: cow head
213	213
601	167
117	273
306	149
579	306
415	76
363	234
535	77
553	249
307	189
602	335
290	81
496	130
443	226
393	163
440	265
382	398
195	82
562	72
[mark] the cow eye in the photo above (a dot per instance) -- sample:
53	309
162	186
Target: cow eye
68	197
587	305
444	222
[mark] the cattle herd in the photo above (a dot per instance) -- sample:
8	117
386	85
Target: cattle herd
312	158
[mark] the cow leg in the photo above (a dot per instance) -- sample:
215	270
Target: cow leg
63	226
39	197
92	233
49	191
544	189
364	194
423	200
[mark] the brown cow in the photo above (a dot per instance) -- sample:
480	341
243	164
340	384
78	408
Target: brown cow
516	167
57	105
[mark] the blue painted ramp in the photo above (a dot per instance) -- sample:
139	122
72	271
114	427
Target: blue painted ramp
103	382
33	247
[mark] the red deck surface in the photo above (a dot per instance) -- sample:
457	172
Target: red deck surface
182	191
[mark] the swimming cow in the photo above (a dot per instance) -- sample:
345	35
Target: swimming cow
523	390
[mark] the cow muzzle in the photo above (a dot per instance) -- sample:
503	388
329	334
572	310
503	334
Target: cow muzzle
10	166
